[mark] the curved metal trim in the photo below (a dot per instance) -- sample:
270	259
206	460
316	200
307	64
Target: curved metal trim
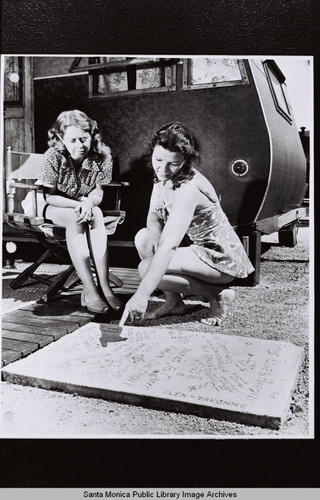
270	142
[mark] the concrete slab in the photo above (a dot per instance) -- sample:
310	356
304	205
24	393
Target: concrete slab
211	375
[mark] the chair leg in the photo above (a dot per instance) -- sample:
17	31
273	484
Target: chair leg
76	282
28	273
115	279
57	284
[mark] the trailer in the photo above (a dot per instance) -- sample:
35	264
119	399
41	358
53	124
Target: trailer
238	110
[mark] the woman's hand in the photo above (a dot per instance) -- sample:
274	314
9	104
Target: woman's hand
135	308
84	210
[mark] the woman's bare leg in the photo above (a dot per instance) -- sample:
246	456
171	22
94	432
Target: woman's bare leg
143	243
213	283
98	242
77	247
188	274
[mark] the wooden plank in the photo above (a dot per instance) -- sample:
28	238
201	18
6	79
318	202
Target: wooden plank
41	340
130	283
9	356
126	287
29	315
38	330
67	307
24	348
55	333
28	104
37	321
72	317
126	290
14	112
32	320
126	278
124	270
131	288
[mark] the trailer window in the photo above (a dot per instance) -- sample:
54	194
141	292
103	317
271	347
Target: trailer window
129	76
278	88
120	76
207	72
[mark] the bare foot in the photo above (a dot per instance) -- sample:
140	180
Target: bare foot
172	306
219	306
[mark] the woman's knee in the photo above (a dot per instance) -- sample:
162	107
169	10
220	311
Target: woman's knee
141	242
97	217
62	216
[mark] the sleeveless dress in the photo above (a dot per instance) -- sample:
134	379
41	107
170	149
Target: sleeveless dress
210	234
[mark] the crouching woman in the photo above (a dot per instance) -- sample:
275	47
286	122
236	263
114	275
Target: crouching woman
188	245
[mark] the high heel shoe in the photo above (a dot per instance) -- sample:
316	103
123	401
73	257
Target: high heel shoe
96	306
114	302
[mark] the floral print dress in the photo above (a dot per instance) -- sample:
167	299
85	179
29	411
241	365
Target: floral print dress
210	234
60	172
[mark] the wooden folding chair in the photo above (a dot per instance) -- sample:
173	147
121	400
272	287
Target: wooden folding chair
21	177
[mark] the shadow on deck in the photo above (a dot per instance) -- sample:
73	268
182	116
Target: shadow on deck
36	325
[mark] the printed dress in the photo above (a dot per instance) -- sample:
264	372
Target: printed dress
60	171
210	234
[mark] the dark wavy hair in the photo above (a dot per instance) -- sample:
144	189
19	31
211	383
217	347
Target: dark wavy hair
176	138
78	119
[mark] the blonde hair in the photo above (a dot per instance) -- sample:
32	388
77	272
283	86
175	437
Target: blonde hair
77	119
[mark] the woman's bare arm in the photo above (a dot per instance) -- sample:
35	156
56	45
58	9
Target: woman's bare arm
154	223
185	201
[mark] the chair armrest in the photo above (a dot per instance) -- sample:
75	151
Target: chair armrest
12	184
21	220
32	187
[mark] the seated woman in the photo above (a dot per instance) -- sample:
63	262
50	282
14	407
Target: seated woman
188	245
72	172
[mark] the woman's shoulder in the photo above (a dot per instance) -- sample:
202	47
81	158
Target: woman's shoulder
187	190
200	178
204	186
52	154
202	181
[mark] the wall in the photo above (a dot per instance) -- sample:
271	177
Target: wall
49	66
18	121
226	121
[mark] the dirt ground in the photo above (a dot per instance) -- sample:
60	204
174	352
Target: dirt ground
276	309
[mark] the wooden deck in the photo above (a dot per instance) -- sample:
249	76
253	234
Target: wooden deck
26	330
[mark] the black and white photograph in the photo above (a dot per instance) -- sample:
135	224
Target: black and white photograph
157	260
